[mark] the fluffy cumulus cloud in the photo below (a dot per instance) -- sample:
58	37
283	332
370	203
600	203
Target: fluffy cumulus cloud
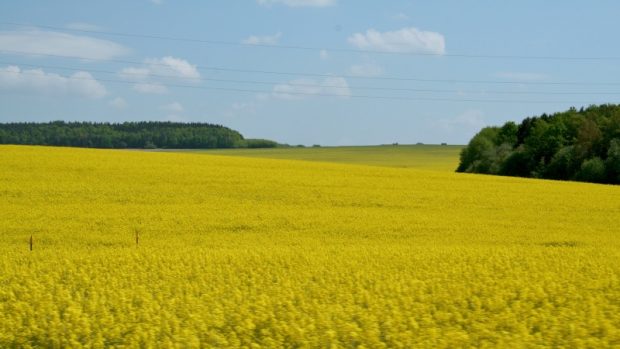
172	66
366	70
13	78
299	3
148	78
411	40
262	40
305	88
63	44
161	67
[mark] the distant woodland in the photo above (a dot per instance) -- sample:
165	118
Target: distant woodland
145	135
580	145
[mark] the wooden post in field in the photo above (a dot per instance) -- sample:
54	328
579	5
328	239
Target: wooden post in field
137	236
31	242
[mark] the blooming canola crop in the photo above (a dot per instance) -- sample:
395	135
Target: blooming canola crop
246	252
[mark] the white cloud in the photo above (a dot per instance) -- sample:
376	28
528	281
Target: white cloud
165	66
172	66
366	70
299	3
262	40
404	40
118	103
174	107
150	88
54	43
304	88
324	55
521	76
147	77
81	83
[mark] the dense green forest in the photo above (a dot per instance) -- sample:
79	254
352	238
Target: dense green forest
146	135
580	145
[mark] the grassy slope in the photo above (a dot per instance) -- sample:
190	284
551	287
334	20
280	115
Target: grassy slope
432	157
235	251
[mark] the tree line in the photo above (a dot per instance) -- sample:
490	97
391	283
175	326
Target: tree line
580	145
145	134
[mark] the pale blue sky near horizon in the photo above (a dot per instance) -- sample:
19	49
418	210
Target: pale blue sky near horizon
346	72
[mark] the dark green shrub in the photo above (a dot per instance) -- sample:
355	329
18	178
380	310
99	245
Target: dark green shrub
592	170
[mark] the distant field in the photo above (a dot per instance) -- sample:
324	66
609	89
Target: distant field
430	157
262	253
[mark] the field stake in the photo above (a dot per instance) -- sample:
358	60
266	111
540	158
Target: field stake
137	237
31	242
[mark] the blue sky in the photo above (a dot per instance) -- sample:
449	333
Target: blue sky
350	72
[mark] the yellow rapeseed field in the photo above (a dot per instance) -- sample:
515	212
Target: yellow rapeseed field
240	252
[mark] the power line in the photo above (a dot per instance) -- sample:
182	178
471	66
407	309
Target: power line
271	72
314	94
309	48
296	84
